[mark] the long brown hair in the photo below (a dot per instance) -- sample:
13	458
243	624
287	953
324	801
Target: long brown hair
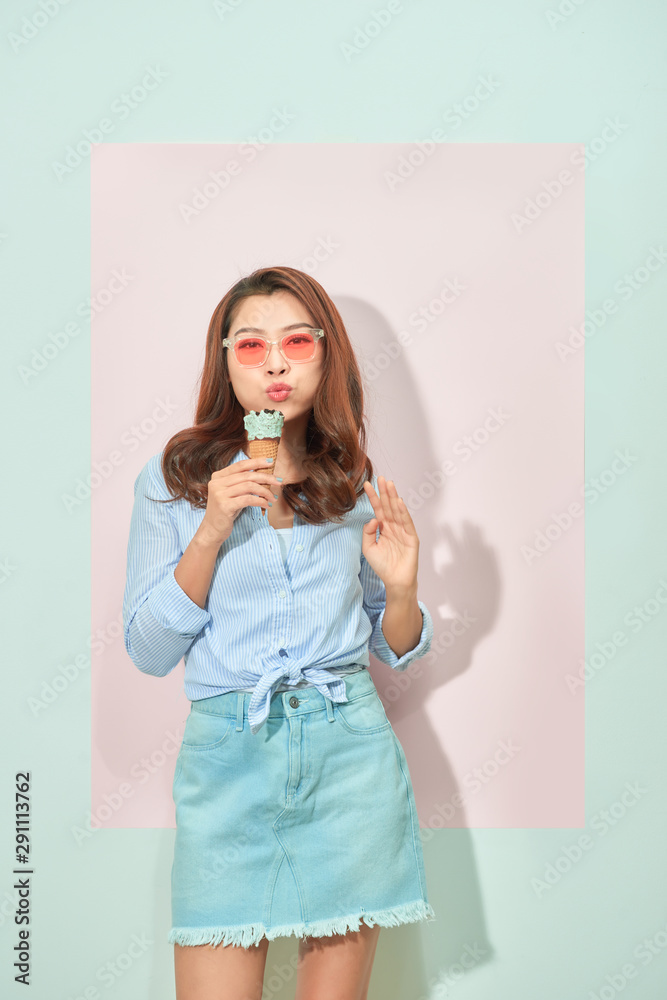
336	464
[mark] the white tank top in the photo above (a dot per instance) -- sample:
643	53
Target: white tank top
285	539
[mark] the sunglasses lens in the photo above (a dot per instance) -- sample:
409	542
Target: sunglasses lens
250	351
299	346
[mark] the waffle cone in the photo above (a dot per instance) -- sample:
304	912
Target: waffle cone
263	448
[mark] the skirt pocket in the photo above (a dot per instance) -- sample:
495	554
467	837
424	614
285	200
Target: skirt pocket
363	716
204	731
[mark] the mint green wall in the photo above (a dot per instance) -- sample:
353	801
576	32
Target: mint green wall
557	78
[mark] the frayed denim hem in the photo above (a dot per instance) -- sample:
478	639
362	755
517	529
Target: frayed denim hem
250	934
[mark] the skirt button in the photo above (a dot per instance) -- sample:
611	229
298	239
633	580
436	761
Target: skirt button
294	702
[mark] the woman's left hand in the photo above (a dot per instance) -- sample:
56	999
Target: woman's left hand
395	555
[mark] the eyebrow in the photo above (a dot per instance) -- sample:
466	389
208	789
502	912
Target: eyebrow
256	329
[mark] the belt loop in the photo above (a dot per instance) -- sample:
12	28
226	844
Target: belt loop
330	712
239	712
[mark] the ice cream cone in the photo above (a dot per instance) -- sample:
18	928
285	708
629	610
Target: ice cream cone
263	448
264	429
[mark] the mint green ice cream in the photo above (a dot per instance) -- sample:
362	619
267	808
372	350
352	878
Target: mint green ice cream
264	424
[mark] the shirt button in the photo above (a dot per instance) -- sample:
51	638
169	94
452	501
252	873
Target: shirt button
299	548
281	593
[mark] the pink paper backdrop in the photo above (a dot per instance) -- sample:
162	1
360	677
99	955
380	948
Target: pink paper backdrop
456	309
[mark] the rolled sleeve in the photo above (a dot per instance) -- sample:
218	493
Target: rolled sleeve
173	610
160	621
384	652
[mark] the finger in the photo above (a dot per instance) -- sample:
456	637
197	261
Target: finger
402	512
392	510
244	466
408	523
383	508
392	499
378	501
372	496
248	488
253	476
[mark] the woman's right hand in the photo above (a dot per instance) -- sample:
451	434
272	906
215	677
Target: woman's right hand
243	484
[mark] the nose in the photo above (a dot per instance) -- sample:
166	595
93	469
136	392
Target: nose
278	359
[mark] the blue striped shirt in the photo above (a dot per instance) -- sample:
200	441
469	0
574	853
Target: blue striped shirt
268	622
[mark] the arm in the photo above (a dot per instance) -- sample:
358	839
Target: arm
403	621
401	624
165	590
195	569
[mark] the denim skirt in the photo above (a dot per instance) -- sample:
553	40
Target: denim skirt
305	828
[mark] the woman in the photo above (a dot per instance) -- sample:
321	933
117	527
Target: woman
295	812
